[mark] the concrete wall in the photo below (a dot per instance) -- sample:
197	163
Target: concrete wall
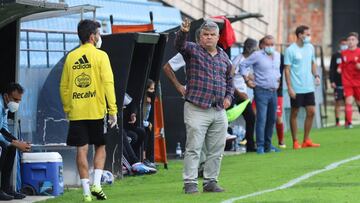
282	17
316	14
247	28
270	10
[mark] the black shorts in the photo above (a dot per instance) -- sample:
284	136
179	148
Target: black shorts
84	132
339	94
302	100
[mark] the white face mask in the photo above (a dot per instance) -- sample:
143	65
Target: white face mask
307	40
343	47
98	43
13	106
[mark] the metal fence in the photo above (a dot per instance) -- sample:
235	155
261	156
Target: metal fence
47	50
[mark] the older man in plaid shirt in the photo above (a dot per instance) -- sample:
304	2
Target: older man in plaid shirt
209	91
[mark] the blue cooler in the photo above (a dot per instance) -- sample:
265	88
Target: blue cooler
42	173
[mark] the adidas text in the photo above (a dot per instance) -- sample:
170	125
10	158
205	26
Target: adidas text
81	66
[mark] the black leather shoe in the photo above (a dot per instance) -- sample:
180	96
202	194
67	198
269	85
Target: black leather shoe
16	195
5	197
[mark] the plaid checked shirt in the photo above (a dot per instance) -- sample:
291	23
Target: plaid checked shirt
208	78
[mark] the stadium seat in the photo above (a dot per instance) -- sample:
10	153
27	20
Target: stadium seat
124	12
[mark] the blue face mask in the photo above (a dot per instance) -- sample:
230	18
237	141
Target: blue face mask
343	47
269	50
307	40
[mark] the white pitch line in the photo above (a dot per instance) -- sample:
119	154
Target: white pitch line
294	181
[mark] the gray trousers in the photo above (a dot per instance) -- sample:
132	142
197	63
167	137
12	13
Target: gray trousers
203	127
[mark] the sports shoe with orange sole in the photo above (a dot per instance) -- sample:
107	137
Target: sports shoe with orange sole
296	145
309	143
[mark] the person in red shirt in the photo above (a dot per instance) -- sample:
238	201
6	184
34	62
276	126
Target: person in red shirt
350	75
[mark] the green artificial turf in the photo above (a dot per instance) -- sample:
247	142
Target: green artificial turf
248	173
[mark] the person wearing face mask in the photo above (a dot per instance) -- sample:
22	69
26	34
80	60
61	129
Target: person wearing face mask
301	77
266	67
131	127
149	139
129	138
240	93
9	101
279	109
87	93
350	74
335	78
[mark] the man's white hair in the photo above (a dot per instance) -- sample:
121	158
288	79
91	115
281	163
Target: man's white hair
209	25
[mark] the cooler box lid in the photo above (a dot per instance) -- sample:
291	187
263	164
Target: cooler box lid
41	157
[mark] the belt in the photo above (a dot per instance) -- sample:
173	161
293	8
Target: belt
267	89
213	104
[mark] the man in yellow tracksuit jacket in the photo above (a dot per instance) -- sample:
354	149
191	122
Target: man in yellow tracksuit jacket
87	93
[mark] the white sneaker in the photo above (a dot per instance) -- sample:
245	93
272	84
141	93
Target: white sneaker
230	137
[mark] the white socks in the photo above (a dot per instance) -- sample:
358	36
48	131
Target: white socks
86	182
97	176
86	186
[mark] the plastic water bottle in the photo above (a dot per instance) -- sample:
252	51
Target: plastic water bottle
178	151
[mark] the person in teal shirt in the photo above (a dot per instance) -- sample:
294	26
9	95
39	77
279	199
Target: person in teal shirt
300	73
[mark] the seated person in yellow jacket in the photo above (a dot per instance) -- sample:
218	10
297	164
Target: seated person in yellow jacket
87	93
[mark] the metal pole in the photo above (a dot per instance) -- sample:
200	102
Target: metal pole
16	125
94	14
47	49
64	44
28	48
204	8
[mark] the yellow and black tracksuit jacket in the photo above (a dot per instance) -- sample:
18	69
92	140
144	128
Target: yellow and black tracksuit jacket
86	81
